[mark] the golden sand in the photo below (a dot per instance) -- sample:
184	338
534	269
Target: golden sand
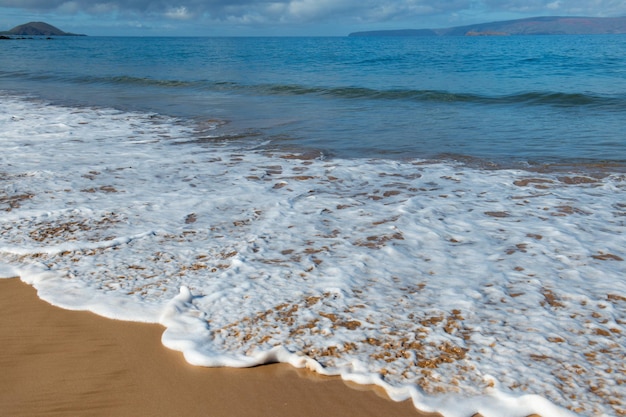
55	362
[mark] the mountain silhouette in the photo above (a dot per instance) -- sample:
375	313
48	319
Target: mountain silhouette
37	29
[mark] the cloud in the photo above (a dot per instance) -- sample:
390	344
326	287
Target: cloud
179	13
307	11
560	7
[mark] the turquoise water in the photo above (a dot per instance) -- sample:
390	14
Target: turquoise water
503	100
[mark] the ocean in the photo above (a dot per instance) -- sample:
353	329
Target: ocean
442	217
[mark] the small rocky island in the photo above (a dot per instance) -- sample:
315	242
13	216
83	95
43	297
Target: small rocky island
34	29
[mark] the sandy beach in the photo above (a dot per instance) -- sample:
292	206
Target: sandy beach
67	363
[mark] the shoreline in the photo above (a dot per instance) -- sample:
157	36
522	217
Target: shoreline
57	362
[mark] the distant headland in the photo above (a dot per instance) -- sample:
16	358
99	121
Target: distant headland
546	25
35	29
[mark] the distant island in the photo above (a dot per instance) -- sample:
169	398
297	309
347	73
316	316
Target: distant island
548	25
36	29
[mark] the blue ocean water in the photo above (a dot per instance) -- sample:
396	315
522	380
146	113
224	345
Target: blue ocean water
502	100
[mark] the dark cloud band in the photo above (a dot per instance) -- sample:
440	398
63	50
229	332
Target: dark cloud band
264	11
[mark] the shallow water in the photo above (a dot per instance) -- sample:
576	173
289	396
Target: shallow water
427	278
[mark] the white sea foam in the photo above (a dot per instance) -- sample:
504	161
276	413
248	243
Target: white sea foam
465	290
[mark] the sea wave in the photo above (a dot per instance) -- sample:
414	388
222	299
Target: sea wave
615	102
525	98
530	98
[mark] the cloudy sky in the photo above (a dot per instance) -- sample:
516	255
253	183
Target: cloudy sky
281	17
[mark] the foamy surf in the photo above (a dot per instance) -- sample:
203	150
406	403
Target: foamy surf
463	289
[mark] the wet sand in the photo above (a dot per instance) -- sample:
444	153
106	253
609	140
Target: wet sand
55	362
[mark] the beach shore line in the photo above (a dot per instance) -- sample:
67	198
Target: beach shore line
68	363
